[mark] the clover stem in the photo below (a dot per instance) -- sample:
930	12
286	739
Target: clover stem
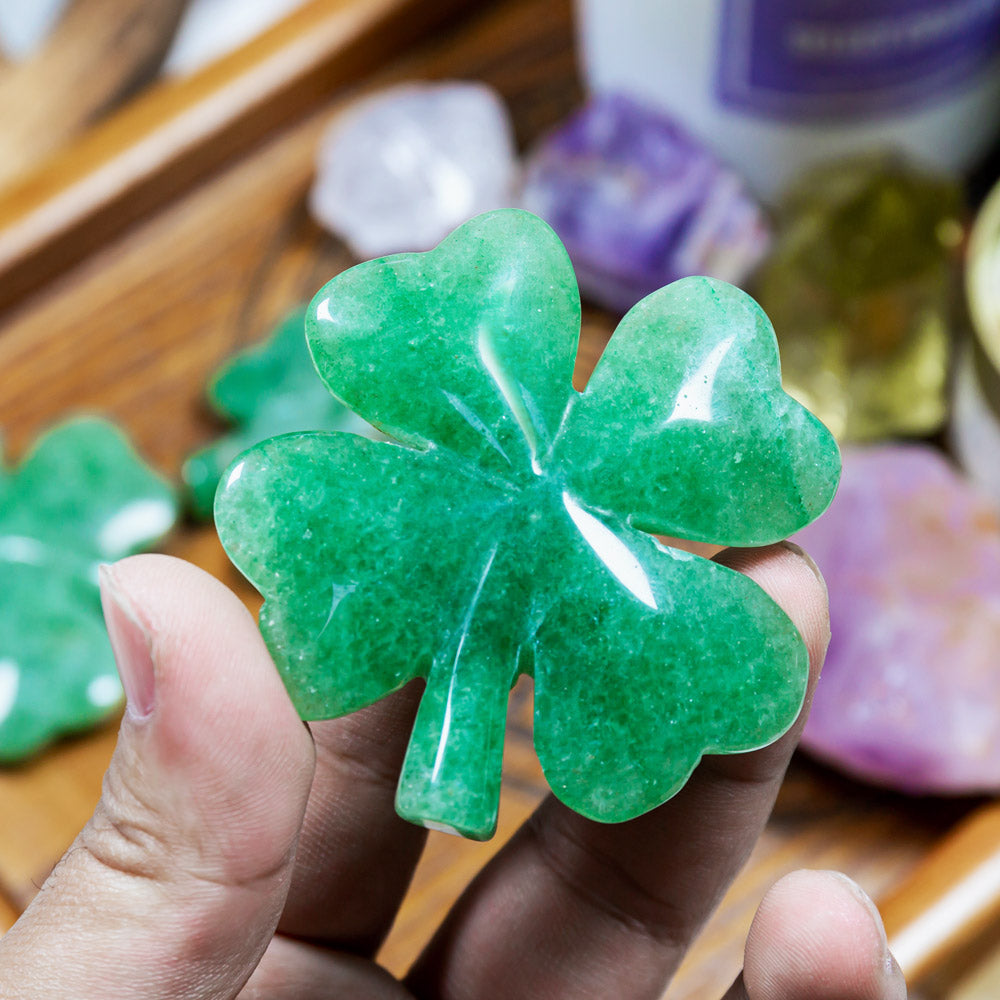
451	776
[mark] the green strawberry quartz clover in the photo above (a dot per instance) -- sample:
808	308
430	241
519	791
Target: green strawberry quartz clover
507	526
270	389
82	497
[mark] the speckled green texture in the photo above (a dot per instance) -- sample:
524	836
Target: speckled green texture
82	497
270	389
499	532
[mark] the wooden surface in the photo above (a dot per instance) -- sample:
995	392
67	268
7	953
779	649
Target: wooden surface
981	983
133	331
938	918
99	52
175	134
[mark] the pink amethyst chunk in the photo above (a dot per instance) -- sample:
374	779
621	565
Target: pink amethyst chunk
638	202
910	695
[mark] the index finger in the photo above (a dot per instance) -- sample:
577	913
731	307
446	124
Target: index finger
573	908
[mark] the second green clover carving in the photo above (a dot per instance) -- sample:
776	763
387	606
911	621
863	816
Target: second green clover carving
507	526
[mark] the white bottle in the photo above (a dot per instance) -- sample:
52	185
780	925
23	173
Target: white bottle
775	85
975	419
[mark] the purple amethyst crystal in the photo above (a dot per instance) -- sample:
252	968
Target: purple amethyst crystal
910	695
639	202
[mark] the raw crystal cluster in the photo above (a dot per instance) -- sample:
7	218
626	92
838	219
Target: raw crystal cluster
639	203
909	693
81	498
861	289
270	389
506	526
400	169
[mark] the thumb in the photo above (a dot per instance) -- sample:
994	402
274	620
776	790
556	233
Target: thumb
175	886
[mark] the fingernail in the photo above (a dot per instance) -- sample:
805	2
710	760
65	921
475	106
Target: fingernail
894	976
131	643
822	632
806	558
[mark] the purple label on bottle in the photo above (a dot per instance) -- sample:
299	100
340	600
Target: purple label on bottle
849	58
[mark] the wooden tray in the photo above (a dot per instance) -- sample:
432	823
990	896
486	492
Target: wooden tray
133	264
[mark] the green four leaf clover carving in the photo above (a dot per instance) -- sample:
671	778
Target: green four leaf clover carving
503	529
80	498
272	388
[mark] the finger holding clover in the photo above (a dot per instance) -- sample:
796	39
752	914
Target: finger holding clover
508	525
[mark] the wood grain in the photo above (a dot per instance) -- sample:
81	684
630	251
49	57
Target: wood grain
7	915
950	900
981	983
133	330
181	130
99	53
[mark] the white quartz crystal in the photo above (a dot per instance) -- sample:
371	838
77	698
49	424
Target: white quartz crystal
399	170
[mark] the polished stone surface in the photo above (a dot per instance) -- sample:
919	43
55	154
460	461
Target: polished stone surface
400	169
861	287
909	693
639	202
270	389
502	529
80	498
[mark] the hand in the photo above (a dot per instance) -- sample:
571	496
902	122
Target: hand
234	852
